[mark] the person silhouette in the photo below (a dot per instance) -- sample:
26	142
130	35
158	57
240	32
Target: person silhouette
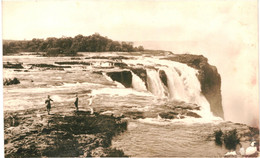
90	100
48	104
76	102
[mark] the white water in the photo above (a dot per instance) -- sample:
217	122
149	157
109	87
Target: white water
176	85
154	83
186	87
119	91
137	83
182	87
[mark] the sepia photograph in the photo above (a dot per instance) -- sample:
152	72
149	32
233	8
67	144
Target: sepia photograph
130	78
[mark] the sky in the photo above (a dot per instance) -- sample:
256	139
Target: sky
224	31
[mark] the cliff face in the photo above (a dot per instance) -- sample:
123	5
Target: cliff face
209	78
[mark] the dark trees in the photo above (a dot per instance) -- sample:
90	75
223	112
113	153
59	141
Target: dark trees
69	46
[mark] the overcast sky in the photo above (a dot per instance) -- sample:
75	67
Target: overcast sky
163	20
225	31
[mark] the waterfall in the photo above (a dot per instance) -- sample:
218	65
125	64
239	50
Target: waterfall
137	83
175	85
154	83
182	83
186	87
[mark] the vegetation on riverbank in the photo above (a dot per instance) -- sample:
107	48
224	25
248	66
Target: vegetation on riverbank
68	46
230	138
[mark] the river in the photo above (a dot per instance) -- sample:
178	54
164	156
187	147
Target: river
148	134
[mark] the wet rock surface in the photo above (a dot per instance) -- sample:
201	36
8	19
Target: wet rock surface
9	81
33	133
13	65
180	110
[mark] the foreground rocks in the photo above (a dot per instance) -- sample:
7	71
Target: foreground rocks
77	134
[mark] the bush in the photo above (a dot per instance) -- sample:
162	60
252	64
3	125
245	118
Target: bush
231	139
218	134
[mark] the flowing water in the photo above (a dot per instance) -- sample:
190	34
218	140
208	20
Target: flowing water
148	134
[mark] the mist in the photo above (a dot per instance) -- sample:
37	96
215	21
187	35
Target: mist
237	63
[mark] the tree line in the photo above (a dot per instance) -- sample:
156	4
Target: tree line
69	46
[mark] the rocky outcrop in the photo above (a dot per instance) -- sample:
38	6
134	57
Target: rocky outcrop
180	110
72	63
49	66
209	78
244	132
33	133
13	65
124	77
8	81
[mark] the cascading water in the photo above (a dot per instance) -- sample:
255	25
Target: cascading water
182	83
175	85
137	83
154	83
186	87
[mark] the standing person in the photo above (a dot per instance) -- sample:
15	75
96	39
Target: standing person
76	102
48	104
90	100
